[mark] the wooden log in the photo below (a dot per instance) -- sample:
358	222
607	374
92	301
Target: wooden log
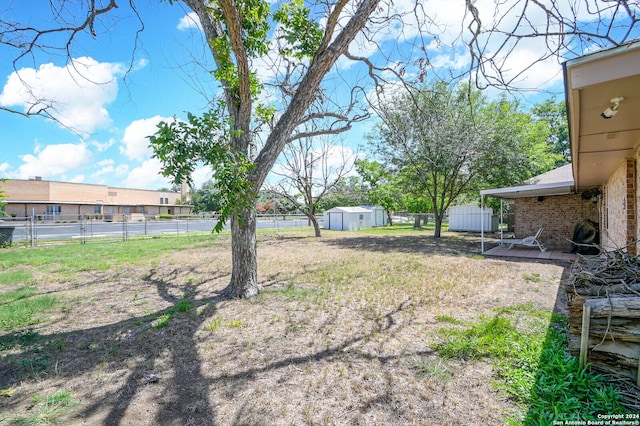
628	331
603	290
622	355
626	307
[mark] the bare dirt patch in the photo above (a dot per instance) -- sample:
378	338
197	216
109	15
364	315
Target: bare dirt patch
335	337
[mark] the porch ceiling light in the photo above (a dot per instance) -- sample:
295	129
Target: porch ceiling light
613	109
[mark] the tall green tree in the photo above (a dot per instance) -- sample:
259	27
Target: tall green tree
237	34
206	198
553	115
439	139
523	142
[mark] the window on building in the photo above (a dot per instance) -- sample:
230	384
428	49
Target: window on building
166	201
97	209
113	194
110	210
161	200
127	210
54	210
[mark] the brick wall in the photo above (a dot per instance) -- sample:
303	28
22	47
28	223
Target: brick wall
26	189
558	214
614	210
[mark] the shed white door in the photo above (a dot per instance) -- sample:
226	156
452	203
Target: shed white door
379	218
335	220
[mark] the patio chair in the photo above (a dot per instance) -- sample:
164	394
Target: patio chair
531	241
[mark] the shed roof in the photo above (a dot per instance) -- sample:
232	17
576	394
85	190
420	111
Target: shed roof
350	209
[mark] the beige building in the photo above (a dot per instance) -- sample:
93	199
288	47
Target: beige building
66	200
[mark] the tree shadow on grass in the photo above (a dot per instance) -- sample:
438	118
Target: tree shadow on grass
419	243
133	345
132	351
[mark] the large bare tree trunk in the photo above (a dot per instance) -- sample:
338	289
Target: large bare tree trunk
438	231
316	225
244	251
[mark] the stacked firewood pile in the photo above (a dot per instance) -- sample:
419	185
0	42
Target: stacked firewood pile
606	289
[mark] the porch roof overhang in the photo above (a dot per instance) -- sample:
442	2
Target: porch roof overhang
536	190
600	145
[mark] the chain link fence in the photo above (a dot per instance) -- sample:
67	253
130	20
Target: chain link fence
53	229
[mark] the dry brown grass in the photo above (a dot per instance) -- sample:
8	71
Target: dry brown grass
341	334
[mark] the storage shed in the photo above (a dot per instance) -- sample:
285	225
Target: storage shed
378	215
347	218
469	218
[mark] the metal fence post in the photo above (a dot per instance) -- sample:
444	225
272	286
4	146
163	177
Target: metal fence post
83	230
125	228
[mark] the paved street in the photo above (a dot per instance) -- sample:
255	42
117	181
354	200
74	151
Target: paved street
120	229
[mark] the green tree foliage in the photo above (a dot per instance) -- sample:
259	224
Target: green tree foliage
236	33
444	141
269	202
523	142
181	146
3	197
347	191
553	115
384	187
206	198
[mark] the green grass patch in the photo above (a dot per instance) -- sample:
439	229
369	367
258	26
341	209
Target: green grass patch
291	292
215	324
164	319
534	278
402	228
21	293
449	319
533	367
15	277
19	310
101	256
435	370
48	410
219	322
491	337
18	340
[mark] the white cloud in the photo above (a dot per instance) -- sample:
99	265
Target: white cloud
189	21
135	142
108	167
53	161
102	146
77	179
201	175
4	167
76	94
147	176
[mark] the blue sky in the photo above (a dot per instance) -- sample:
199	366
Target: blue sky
114	95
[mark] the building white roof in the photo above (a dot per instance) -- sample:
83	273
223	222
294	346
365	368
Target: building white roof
350	210
555	182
